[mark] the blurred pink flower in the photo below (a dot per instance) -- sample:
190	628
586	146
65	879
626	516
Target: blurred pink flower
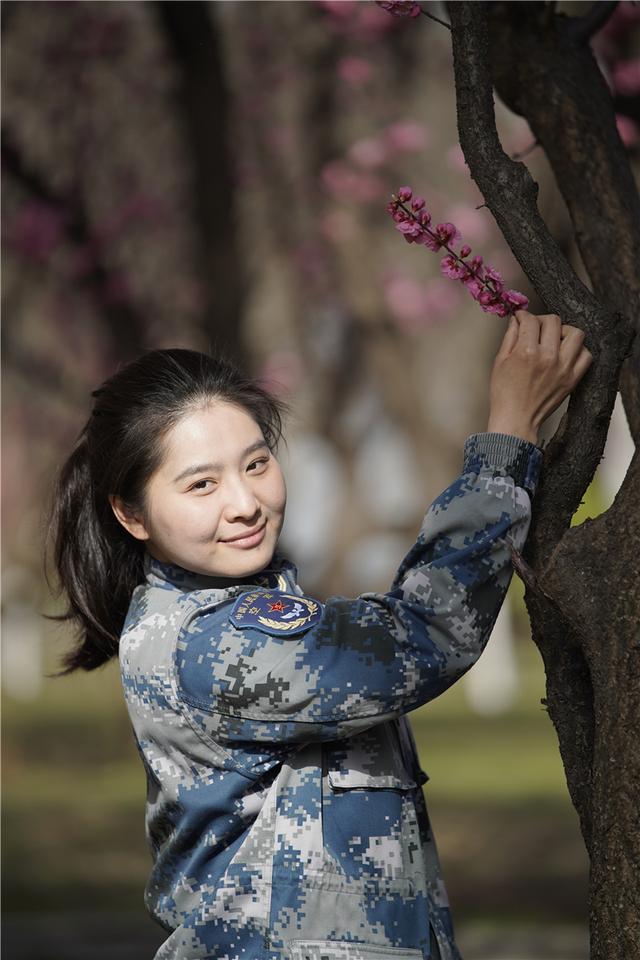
282	372
407	136
362	20
116	289
340	9
355	70
470	221
338	226
407	302
342	181
442	297
400	8
628	129
414	305
368	152
626	77
36	230
456	160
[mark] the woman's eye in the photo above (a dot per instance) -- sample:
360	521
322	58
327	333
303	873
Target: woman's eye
199	485
257	463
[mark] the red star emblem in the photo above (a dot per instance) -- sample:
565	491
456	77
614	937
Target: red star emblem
278	605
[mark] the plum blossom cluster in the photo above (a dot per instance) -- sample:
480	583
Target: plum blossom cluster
401	8
484	283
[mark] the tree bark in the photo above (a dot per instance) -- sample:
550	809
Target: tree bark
582	588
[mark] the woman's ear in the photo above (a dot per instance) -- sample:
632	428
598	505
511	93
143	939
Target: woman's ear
129	520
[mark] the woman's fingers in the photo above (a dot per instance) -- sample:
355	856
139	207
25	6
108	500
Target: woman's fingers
510	338
529	331
582	364
572	343
550	333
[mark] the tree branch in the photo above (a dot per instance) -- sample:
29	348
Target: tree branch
510	193
556	84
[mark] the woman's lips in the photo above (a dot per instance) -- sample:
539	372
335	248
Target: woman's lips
245	543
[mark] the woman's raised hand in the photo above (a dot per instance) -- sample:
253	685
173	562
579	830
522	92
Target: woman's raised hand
538	364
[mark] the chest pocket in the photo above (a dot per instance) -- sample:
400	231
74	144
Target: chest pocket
371	760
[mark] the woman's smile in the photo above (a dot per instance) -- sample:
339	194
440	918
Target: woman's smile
247	541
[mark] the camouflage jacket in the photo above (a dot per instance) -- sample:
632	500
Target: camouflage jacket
285	810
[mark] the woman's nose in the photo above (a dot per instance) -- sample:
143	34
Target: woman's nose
241	501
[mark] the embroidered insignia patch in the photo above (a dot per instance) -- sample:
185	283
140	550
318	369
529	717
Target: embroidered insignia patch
274	612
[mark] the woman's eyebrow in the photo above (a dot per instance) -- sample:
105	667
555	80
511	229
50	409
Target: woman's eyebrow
203	467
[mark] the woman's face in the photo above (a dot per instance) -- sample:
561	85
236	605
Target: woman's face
216	505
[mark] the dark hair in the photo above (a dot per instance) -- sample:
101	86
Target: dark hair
122	444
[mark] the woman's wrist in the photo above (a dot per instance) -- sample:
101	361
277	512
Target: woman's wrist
513	427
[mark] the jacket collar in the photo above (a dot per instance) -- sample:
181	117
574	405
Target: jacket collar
280	574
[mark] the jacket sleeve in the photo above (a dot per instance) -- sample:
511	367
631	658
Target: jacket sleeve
382	654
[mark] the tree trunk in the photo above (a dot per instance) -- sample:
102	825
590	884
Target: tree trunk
582	583
203	104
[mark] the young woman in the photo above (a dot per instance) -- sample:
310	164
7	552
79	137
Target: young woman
285	810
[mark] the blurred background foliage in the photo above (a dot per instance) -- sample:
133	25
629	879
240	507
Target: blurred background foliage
215	176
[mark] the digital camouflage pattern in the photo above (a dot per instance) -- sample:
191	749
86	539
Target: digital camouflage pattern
285	810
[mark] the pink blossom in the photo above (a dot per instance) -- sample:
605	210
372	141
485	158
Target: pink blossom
400	8
484	283
492	274
450	267
473	285
445	233
355	70
410	229
515	299
406	136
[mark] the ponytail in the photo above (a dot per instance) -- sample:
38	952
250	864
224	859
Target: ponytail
98	562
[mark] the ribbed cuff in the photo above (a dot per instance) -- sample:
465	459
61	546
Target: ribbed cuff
519	458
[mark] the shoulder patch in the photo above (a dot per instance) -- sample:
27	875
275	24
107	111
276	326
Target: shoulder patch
275	612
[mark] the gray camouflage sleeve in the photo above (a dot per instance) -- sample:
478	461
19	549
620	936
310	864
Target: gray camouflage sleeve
382	654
